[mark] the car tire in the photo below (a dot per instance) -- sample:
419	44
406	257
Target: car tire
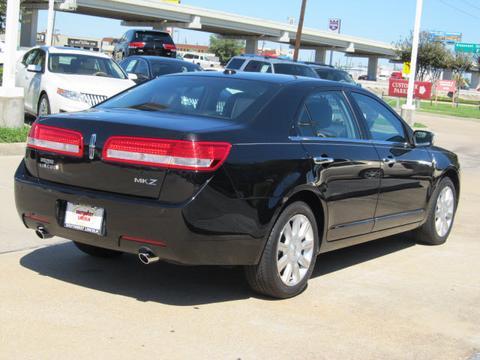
43	108
97	251
441	215
270	277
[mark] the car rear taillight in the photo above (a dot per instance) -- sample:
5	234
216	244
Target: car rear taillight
56	140
170	47
177	154
136	44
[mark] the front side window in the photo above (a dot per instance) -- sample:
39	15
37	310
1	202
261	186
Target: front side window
142	69
196	95
325	114
235	64
160	68
29	57
77	64
381	122
258	66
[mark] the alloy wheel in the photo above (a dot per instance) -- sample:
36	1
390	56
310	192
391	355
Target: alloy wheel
444	211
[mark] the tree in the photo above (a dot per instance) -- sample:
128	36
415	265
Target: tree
459	64
432	58
225	48
3	11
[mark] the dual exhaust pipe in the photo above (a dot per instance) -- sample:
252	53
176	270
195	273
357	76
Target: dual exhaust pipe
145	254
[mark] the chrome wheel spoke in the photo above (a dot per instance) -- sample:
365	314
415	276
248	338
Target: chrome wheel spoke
282	263
287	273
444	210
296	277
304	261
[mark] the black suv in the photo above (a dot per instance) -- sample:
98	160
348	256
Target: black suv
145	42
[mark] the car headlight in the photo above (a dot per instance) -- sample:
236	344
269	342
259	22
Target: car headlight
72	95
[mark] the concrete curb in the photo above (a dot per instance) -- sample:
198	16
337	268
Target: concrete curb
12	149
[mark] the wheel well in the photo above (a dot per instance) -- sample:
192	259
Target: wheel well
43	92
313	201
453	175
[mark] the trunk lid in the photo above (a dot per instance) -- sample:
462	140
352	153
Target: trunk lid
92	172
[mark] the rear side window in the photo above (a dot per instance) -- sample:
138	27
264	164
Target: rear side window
160	68
196	95
258	66
381	122
293	69
235	63
334	75
326	114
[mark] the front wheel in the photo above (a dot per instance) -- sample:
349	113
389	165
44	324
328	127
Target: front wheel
44	106
441	213
289	256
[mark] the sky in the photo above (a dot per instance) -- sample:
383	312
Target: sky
383	20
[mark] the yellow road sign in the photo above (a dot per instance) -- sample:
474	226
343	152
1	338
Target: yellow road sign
406	68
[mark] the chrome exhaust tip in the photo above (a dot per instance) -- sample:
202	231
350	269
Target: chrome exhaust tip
147	256
42	233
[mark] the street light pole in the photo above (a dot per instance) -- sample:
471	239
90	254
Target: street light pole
50	22
409	107
298	36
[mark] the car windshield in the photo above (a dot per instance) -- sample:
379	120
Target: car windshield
335	75
88	65
160	67
293	69
196	95
152	36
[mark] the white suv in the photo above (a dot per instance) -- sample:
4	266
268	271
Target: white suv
58	79
266	64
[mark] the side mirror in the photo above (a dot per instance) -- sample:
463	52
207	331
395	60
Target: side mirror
132	76
423	138
34	68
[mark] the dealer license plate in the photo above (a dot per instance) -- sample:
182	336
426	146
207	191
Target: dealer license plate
84	218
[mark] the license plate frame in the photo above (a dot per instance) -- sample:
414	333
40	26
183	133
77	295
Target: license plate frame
86	218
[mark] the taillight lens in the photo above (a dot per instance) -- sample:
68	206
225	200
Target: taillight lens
136	44
177	154
170	47
56	140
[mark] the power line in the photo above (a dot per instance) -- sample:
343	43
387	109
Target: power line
471	4
459	10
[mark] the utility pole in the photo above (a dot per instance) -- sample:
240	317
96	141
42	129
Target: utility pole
298	36
409	107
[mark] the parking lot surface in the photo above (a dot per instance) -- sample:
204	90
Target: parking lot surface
388	299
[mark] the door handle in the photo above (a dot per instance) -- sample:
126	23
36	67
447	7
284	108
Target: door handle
390	161
322	160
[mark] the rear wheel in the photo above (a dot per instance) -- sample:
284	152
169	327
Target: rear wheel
43	106
97	251
441	214
289	256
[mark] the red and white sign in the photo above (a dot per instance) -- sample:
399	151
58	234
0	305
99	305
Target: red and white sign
446	86
399	88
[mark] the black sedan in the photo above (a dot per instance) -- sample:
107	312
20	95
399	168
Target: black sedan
149	67
264	171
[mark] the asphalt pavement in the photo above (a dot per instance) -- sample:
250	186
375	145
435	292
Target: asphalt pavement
387	299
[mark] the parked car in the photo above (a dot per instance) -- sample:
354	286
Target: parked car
149	67
363	77
266	64
144	42
204	60
58	79
396	75
328	72
264	171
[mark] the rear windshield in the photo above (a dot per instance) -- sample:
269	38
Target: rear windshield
235	64
160	68
335	75
196	95
76	64
292	69
152	36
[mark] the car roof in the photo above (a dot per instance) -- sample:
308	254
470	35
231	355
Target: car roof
269	78
269	59
69	50
161	58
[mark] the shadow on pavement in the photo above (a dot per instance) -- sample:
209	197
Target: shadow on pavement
173	284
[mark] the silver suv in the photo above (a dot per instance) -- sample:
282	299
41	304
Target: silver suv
265	64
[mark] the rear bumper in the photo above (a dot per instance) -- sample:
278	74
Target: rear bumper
150	222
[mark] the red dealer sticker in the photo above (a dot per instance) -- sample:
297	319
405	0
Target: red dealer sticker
399	87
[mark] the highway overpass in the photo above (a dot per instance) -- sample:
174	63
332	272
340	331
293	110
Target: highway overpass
160	15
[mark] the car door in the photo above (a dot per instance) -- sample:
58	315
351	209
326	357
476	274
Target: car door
141	70
32	92
345	165
24	77
406	170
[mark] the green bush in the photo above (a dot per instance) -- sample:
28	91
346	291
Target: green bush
9	135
